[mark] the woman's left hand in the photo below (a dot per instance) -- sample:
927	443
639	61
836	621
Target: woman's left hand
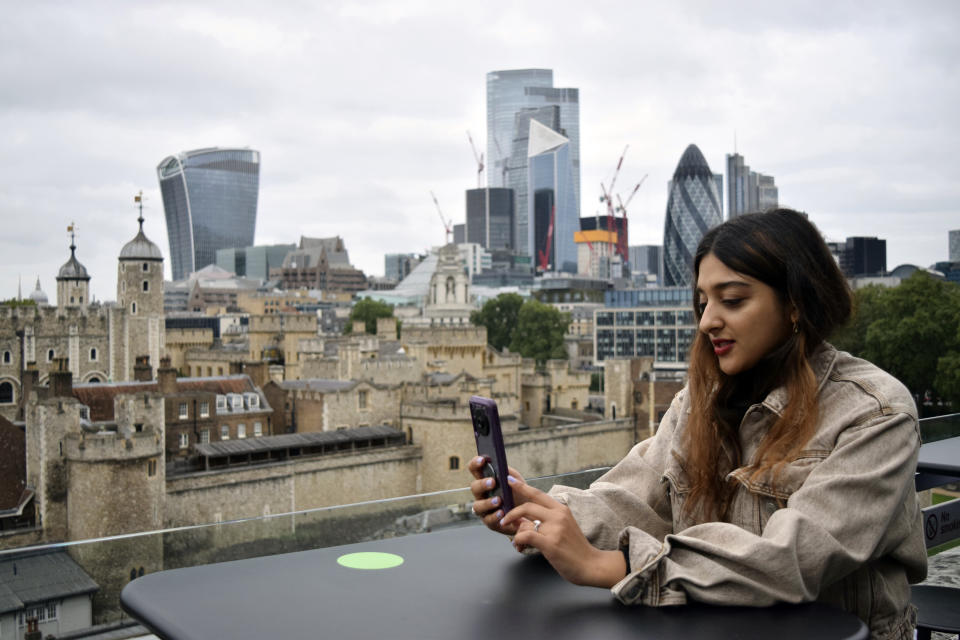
559	538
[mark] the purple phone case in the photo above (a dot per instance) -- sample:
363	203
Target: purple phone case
490	445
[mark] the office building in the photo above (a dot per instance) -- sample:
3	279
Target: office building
514	97
954	249
655	322
253	262
645	261
861	256
210	201
552	207
490	224
694	206
459	233
748	191
398	266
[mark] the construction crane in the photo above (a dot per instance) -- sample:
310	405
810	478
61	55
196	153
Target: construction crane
446	225
479	158
504	162
622	208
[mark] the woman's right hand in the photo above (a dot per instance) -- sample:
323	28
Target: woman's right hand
490	510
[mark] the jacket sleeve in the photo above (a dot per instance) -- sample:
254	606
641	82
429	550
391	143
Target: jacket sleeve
842	516
631	494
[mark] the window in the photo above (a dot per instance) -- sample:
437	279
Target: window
123	287
221	403
184	440
182	413
257	429
93	354
204	409
236	402
146	286
241	430
6	357
6	392
151	468
146	267
133	308
44	612
224	432
50	355
138	427
362	399
454	463
205	436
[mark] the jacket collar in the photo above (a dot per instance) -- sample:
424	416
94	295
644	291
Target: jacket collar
821	361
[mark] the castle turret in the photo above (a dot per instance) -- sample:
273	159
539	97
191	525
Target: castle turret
73	281
138	318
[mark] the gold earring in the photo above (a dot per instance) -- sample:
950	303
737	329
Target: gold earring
796	328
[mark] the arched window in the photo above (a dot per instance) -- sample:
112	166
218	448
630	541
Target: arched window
6	393
146	286
6	357
50	355
93	354
454	463
94	380
133	308
146	266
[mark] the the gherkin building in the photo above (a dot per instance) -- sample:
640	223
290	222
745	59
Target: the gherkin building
692	209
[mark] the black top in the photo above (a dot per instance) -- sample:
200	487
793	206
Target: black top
464	584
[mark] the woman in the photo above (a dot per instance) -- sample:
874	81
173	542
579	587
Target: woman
783	471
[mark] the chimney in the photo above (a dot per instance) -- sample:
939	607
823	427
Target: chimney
258	372
166	377
142	371
29	380
61	379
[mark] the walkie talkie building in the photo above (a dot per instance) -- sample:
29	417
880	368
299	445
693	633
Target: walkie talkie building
210	201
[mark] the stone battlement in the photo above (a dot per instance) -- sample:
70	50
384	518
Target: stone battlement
111	446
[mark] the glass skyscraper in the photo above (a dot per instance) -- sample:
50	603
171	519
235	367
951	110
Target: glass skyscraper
210	200
551	195
514	98
693	208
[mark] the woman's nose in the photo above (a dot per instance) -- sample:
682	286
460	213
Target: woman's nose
709	320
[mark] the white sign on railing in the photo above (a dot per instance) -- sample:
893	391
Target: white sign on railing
941	523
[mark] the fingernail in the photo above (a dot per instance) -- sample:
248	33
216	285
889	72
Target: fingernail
479	460
488	483
495	502
501	522
499	515
511	480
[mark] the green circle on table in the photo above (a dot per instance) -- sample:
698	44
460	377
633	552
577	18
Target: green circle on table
370	560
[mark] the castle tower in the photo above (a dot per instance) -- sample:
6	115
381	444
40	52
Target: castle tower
73	281
137	322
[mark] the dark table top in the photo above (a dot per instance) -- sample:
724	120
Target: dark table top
941	457
466	583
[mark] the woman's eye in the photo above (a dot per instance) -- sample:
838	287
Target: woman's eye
732	302
701	307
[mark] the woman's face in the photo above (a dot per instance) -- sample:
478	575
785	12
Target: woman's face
741	316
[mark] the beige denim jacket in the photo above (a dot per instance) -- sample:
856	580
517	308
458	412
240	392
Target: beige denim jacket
842	525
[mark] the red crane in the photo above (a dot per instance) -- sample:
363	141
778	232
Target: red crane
622	208
544	256
446	225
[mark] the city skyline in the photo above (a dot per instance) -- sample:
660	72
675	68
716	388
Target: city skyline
91	103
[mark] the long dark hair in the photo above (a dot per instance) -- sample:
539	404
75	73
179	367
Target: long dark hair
782	249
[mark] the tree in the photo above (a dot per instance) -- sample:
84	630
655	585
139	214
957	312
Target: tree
499	316
367	311
911	331
539	332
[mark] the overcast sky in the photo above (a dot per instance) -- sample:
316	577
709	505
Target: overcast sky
361	109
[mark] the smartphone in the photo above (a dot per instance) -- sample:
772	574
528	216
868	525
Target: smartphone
486	430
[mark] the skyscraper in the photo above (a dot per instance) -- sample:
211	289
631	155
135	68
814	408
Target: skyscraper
514	97
953	249
551	209
210	200
694	206
748	190
490	224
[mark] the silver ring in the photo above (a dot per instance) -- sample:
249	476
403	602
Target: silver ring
473	508
536	525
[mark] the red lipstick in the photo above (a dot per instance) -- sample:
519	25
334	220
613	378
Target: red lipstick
722	347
